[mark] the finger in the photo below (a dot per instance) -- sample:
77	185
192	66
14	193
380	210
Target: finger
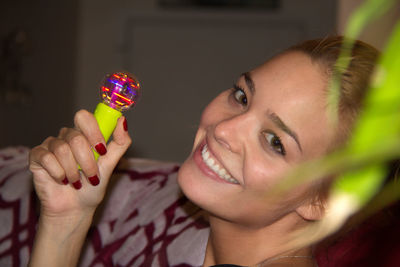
87	124
116	148
41	159
66	159
83	154
63	132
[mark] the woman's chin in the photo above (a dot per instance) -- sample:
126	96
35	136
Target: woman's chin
190	183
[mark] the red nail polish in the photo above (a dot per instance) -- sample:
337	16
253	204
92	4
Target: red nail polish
65	181
125	125
101	149
94	180
77	185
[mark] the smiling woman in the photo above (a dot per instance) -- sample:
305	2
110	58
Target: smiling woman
274	118
250	136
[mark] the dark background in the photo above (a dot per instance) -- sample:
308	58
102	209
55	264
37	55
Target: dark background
55	53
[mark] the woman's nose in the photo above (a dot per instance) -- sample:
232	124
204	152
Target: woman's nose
234	132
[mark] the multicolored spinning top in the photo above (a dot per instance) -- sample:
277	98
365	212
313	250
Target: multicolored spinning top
119	92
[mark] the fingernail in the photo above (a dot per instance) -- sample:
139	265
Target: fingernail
94	180
77	185
101	149
65	181
125	125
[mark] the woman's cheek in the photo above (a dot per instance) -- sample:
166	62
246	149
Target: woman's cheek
263	172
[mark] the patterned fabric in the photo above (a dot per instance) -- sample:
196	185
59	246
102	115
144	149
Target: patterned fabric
145	221
17	216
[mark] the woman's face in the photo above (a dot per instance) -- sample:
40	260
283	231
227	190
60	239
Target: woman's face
251	135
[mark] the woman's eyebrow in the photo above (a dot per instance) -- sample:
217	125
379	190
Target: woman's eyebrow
275	118
281	125
249	81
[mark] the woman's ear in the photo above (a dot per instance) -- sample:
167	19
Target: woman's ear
313	210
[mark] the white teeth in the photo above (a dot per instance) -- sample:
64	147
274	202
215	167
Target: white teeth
210	162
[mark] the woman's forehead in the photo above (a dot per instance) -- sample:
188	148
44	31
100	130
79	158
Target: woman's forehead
290	68
289	81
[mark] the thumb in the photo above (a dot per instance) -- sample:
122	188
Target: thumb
115	149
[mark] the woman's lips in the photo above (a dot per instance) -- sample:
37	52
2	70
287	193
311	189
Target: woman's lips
208	164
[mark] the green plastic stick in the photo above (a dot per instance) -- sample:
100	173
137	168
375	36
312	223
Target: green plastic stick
107	118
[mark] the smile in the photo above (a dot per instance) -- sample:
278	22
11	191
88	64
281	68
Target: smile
213	165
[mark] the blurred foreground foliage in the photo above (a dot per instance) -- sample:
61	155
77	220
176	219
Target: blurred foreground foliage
360	167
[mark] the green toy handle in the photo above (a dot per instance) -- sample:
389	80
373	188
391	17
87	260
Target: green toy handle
107	118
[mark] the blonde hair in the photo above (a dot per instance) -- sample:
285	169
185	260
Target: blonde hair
354	80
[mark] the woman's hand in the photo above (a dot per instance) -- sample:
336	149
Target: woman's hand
67	195
63	190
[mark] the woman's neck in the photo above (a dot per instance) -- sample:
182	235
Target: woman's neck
235	244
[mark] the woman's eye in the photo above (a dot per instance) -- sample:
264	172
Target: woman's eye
275	143
240	95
